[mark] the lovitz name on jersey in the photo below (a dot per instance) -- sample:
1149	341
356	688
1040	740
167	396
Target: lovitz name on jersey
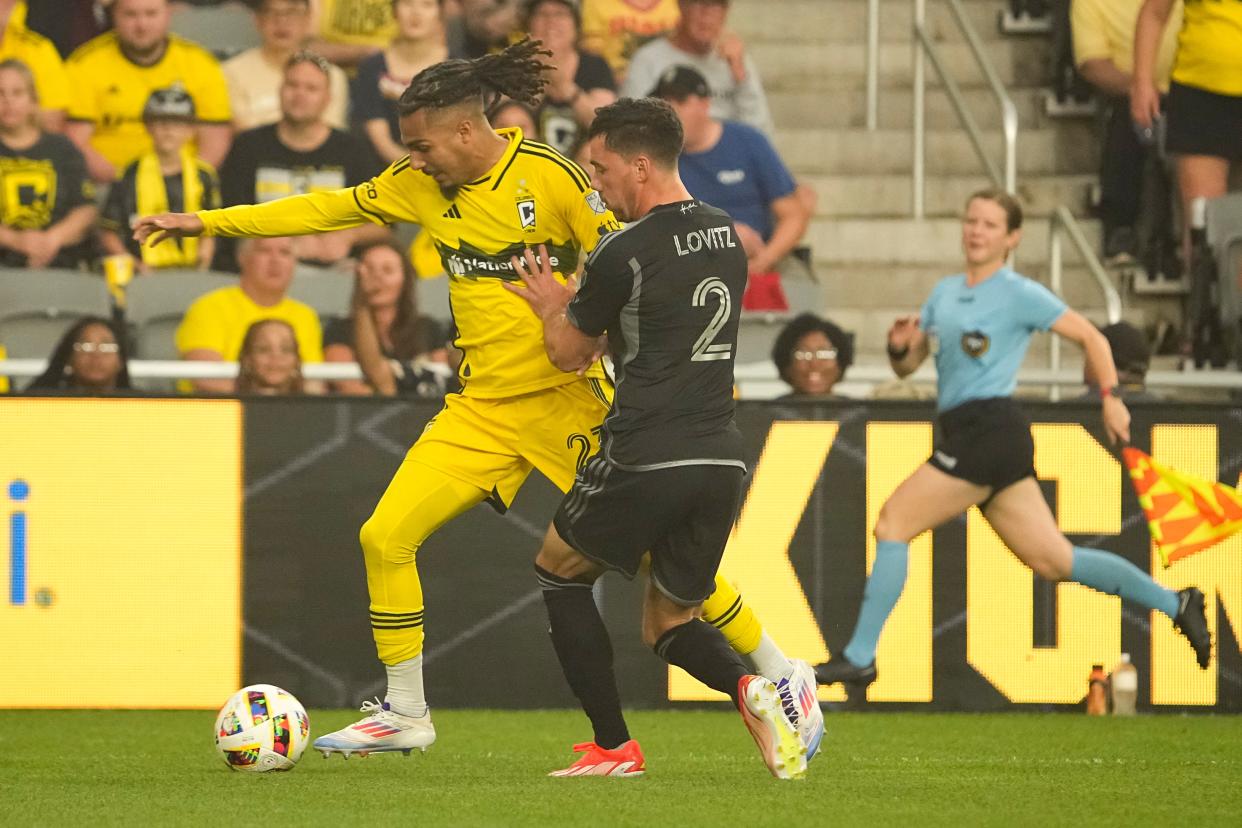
710	238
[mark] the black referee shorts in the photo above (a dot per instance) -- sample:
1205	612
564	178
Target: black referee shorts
986	442
682	515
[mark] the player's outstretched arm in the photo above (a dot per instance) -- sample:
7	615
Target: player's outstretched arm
163	226
569	349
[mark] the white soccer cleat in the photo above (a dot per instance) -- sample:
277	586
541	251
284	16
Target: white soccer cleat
798	693
383	731
777	738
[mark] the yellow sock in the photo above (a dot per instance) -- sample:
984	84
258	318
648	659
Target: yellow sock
418	501
726	611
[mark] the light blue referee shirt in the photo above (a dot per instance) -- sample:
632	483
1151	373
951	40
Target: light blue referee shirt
981	333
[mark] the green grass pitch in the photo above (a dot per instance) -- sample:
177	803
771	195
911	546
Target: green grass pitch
81	768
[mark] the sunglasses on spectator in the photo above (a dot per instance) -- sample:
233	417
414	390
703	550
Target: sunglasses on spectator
807	356
96	347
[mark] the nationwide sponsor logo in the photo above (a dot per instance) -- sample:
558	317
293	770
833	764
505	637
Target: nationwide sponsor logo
469	262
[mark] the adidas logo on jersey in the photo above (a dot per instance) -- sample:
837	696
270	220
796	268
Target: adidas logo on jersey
452	212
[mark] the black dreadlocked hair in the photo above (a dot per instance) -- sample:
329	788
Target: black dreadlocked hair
516	72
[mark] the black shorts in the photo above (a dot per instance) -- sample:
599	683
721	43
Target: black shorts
682	515
986	442
1204	123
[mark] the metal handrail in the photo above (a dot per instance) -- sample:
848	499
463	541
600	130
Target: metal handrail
923	45
1063	221
873	64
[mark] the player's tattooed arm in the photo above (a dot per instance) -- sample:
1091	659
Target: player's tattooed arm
569	349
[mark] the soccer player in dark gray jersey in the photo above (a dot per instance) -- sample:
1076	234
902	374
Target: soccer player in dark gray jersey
666	292
668	289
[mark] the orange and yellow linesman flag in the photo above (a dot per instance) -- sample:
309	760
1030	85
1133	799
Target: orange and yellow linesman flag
1185	514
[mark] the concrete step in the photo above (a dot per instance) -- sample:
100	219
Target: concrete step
868	287
1070	149
856	196
847	107
846	20
1018	62
932	241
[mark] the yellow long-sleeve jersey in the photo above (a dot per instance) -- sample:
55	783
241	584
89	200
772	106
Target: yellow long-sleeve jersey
533	195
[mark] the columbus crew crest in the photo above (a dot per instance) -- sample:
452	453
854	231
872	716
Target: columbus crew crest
526	212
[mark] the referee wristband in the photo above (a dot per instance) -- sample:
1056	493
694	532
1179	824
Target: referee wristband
1107	391
897	353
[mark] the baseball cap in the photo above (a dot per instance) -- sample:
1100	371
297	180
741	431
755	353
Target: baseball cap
680	82
172	103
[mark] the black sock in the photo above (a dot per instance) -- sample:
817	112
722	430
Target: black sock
585	652
702	651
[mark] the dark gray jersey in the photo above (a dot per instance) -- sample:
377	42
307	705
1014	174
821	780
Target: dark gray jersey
668	290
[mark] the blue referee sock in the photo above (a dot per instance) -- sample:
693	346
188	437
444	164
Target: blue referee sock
888	578
1115	575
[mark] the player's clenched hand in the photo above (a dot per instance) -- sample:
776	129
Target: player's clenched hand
155	229
903	332
547	296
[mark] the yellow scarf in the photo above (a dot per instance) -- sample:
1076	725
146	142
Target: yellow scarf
153	199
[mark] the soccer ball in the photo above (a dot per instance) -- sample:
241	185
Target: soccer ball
262	728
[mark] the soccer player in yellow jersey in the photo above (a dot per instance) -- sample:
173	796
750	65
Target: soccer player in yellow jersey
483	196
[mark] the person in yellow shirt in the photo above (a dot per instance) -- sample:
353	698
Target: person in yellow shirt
349	31
114	74
1204	109
1104	54
616	28
216	323
37	52
483	196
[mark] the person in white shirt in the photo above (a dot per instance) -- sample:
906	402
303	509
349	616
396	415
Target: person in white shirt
255	75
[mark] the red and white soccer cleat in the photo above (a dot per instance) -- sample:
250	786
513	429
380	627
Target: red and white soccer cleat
624	761
383	731
779	743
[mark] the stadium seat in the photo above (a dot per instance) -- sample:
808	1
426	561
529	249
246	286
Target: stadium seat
328	292
155	305
433	297
1224	234
36	306
225	29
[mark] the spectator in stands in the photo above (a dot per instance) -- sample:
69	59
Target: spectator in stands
113	75
510	113
1132	355
734	167
483	26
255	75
1104	54
383	76
580	81
1204	131
217	322
171	177
400	351
90	359
269	363
700	41
615	29
47	201
812	355
67	23
37	52
349	31
300	154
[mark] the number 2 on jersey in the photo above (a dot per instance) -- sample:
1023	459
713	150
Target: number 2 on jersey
704	349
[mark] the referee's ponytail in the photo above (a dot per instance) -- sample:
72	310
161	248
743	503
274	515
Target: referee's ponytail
516	72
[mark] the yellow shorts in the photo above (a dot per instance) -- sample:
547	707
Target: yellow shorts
494	444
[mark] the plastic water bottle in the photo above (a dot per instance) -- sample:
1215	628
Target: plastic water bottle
1097	691
1123	684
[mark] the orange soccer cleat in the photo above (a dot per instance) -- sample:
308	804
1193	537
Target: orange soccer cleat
624	761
